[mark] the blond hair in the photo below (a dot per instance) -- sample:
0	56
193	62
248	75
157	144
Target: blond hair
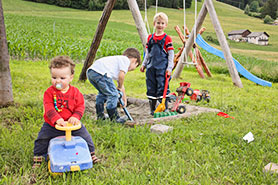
162	16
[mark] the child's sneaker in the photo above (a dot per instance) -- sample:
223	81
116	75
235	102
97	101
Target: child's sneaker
94	158
37	161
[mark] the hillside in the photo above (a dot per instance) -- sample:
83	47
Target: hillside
231	18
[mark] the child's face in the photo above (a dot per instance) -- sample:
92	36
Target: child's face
160	25
61	78
133	64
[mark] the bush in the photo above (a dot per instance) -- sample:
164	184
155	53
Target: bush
254	6
268	19
255	14
247	9
210	38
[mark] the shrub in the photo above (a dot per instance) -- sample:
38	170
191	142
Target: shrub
247	9
255	14
254	6
268	19
212	39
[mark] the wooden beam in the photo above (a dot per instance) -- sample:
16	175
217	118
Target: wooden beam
140	25
189	43
223	43
6	91
97	38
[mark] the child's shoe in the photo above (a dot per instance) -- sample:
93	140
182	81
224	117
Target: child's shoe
37	161
152	104
94	158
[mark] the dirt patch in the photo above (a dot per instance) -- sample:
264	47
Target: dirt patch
139	110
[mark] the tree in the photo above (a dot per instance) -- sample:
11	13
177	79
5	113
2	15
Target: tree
270	8
254	6
6	93
247	9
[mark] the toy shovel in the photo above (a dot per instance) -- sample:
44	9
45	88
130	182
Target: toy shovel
123	104
161	106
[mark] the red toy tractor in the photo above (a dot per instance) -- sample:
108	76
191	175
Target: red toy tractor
184	89
200	95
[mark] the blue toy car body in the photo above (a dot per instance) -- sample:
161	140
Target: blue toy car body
65	156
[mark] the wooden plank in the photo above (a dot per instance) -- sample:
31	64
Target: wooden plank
97	38
223	43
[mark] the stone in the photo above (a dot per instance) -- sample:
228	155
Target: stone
159	128
271	167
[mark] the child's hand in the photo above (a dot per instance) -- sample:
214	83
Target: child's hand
142	69
61	122
74	120
168	73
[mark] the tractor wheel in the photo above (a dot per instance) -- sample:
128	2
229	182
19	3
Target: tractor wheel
181	109
207	99
199	98
189	92
52	173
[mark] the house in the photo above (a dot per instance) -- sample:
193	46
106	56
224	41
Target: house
260	38
239	35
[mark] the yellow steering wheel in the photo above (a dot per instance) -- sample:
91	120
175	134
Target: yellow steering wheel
68	128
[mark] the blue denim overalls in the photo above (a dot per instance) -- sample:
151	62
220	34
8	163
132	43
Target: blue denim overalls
156	68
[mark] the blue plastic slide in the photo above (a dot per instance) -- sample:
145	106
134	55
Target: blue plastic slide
203	44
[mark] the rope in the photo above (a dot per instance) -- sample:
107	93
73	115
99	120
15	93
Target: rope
146	18
184	18
195	32
195	25
156	2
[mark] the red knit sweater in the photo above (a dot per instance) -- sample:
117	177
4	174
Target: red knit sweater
71	103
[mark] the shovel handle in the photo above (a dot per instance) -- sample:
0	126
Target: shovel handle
167	77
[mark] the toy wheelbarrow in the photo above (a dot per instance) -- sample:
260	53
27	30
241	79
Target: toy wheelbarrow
67	153
161	107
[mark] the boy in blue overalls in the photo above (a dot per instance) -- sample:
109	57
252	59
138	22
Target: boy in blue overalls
158	61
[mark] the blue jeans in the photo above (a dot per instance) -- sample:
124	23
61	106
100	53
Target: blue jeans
107	91
48	132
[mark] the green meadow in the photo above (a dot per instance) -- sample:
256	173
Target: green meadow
203	149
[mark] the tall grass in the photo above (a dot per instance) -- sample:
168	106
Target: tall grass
205	149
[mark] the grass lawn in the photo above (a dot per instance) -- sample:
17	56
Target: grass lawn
204	149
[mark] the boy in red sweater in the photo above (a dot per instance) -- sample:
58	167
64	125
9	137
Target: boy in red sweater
62	103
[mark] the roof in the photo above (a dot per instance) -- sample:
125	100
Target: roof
238	32
257	34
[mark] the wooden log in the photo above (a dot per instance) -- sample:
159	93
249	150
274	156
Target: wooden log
140	25
6	90
203	63
177	56
223	43
198	64
178	30
189	43
97	38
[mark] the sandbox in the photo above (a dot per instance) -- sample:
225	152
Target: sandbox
139	110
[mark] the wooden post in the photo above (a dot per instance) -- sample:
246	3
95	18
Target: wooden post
6	91
140	25
223	43
189	43
97	38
